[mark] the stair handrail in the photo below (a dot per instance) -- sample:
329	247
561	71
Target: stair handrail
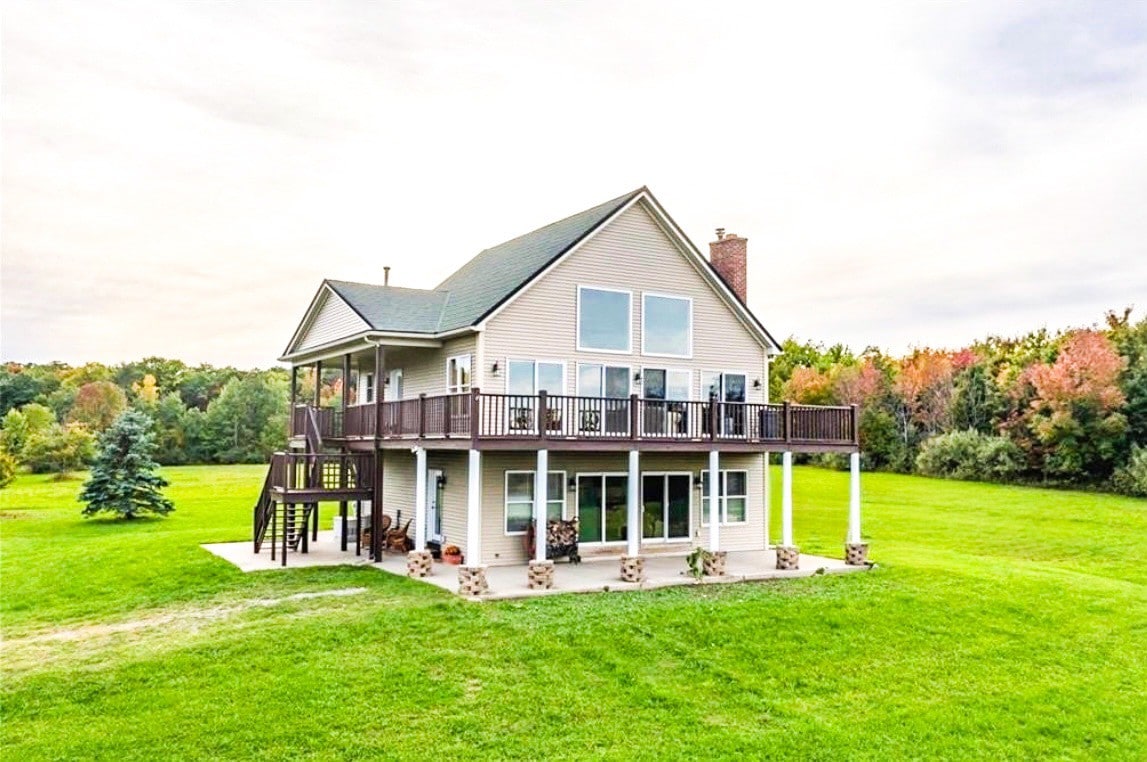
264	507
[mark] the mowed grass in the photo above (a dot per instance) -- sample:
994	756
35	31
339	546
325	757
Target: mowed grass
1000	622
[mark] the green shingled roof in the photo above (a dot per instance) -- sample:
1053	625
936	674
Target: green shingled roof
388	308
480	285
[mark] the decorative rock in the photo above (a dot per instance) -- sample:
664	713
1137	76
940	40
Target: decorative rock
632	569
418	563
472	581
541	575
856	554
713	564
788	557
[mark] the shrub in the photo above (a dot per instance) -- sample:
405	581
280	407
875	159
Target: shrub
970	455
60	449
7	468
1131	477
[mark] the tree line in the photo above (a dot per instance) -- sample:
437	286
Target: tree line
51	413
1062	409
1067	409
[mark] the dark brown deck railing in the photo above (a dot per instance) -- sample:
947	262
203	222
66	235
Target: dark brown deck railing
542	416
332	472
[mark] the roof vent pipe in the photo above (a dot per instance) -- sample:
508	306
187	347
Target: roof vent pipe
386	275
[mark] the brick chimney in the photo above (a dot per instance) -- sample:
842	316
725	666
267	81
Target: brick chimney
729	256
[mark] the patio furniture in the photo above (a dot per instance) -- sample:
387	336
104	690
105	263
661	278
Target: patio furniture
365	541
398	540
561	540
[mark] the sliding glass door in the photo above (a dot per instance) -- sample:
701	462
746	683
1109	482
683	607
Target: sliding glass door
601	504
665	506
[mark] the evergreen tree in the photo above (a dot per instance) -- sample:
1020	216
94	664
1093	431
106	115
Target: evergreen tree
123	477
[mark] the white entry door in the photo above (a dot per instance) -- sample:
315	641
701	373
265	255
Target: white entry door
434	490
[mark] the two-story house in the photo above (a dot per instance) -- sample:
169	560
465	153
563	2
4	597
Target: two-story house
598	368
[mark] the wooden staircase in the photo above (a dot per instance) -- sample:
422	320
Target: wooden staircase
287	506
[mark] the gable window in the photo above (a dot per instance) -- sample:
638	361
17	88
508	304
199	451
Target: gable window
666	325
604	320
458	374
732	499
520	499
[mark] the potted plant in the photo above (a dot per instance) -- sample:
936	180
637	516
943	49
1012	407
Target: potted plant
452	554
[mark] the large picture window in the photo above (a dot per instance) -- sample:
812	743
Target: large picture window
604	320
666	325
520	499
733	498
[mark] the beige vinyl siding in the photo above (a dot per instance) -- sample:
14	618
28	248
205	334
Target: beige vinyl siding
424	370
498	548
334	320
634	254
398	489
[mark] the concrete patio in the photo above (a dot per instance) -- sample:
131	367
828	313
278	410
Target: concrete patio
599	574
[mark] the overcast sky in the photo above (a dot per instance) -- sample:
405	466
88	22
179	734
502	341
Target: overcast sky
179	177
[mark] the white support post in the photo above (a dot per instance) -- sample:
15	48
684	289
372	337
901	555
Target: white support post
419	498
854	499
474	510
714	501
633	505
541	483
787	499
768	506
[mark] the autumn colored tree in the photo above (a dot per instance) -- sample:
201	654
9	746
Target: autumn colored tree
808	386
924	388
1075	414
97	404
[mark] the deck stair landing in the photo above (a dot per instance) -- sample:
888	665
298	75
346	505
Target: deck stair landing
297	482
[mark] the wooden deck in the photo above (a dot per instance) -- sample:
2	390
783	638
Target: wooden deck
507	421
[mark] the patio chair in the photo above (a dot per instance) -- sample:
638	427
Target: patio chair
398	540
561	540
365	541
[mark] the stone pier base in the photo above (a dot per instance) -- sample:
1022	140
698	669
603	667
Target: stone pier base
632	569
472	581
540	575
418	563
713	564
856	553
788	557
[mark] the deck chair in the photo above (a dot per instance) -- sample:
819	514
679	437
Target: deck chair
365	541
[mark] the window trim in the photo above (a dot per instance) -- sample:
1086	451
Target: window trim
628	321
644	311
450	388
722	498
506	498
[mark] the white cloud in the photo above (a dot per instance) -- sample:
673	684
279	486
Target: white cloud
177	178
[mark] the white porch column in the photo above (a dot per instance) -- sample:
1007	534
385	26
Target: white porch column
787	499
541	484
633	505
474	510
419	498
854	499
714	501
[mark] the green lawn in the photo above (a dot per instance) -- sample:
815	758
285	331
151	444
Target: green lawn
1000	622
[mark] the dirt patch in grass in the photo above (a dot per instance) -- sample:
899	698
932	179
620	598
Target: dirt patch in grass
85	639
